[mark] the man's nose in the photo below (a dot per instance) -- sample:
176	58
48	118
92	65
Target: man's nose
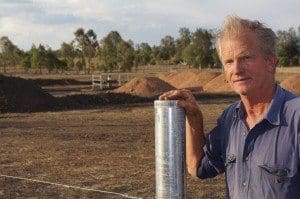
238	66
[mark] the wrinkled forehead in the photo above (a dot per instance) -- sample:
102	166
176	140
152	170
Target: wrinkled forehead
246	41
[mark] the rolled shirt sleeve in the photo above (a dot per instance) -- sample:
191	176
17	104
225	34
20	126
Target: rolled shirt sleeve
213	162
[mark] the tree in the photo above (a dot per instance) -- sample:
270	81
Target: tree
108	53
143	54
203	40
91	44
189	55
79	45
167	47
181	43
200	52
125	56
79	66
155	55
288	50
216	62
37	57
86	44
115	53
43	58
8	53
67	52
52	62
25	62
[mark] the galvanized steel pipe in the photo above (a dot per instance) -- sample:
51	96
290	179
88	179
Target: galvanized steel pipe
170	163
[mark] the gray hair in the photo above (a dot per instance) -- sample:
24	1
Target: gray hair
234	26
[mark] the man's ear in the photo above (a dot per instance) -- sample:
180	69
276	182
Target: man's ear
272	62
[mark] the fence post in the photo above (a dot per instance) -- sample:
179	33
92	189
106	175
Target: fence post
93	82
101	85
119	79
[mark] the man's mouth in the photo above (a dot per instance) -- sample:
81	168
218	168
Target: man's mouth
240	80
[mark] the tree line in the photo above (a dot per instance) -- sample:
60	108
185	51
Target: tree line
112	53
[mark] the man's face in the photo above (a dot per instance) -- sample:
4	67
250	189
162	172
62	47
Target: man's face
246	68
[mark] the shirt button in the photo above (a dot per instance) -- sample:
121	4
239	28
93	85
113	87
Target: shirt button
247	158
244	184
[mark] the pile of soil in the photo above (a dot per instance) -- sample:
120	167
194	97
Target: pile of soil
292	84
59	82
218	85
145	87
189	79
104	99
20	95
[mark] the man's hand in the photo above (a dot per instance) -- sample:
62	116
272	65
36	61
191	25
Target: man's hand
194	127
187	101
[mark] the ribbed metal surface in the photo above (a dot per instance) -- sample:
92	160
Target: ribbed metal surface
169	150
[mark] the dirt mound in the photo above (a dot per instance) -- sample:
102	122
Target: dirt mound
292	84
56	82
100	100
218	85
145	87
20	95
190	79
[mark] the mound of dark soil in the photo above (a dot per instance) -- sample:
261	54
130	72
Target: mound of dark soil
20	95
103	99
56	82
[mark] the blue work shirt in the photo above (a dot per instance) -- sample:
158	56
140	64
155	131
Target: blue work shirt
263	162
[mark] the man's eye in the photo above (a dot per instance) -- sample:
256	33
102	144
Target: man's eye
228	61
247	57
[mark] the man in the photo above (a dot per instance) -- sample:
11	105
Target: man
257	140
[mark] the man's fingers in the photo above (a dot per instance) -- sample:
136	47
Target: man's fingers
181	103
186	104
174	95
185	99
165	95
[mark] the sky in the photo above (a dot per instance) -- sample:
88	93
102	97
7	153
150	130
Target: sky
51	22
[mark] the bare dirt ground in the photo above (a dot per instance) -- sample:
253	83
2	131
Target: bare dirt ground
108	149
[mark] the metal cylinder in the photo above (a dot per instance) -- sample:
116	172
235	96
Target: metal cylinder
170	172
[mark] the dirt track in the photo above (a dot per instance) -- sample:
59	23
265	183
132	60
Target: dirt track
109	149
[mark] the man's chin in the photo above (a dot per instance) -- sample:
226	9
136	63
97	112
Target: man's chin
241	91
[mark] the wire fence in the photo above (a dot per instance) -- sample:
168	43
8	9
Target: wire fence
69	186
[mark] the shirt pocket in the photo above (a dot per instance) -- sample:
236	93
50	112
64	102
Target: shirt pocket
230	161
275	174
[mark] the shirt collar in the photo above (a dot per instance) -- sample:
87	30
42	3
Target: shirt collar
239	110
273	113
